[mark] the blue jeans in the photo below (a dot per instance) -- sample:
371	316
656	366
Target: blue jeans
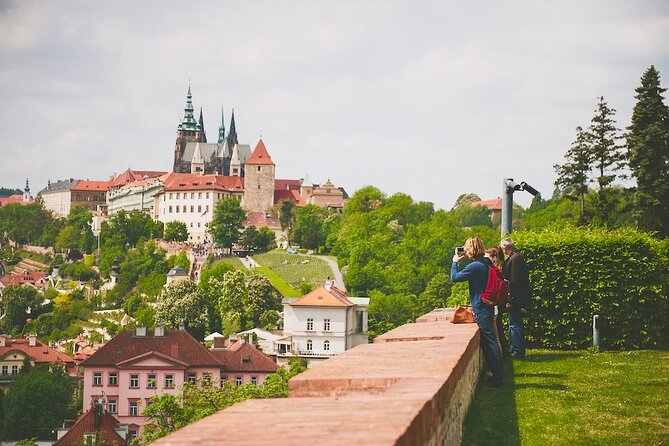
489	345
516	332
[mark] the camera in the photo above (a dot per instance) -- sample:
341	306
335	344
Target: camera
460	250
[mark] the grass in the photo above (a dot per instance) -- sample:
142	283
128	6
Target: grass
281	285
575	398
34	256
232	261
295	269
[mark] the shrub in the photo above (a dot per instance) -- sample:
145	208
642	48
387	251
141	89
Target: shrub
579	272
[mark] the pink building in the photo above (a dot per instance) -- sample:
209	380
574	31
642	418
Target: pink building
139	364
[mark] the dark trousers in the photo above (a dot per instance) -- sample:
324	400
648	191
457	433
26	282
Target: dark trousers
499	323
489	345
516	331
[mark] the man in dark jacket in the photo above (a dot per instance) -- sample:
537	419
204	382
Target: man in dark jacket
516	272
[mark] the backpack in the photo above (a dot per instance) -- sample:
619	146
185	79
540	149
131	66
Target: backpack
497	289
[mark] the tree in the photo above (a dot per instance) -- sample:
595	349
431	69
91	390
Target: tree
648	147
182	302
226	225
176	231
128	228
287	217
309	227
231	303
466	200
257	239
16	299
573	174
180	259
607	155
37	403
469	216
263	304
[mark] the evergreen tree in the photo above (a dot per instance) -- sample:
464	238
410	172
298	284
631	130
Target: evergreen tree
648	145
573	174
607	155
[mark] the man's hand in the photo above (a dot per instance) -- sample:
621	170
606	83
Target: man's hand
508	305
457	258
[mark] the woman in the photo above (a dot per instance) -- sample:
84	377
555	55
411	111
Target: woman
476	274
496	256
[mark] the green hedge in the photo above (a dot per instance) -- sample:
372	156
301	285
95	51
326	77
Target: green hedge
622	275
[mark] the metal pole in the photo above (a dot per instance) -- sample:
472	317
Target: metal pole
595	330
507	205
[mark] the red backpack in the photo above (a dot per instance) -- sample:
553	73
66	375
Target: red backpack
497	289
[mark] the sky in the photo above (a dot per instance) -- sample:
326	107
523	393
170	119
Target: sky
429	98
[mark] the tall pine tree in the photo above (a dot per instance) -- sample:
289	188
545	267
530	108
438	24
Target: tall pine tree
607	154
648	145
573	174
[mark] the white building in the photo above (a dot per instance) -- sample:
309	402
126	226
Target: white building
322	323
191	199
137	195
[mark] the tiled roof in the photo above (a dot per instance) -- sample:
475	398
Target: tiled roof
260	155
134	175
321	297
260	219
86	425
287	184
40	353
177	344
494	204
245	357
59	186
288	195
194	182
36	278
16	198
88	185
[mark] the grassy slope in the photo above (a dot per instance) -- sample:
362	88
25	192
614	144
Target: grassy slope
290	267
278	283
232	261
575	398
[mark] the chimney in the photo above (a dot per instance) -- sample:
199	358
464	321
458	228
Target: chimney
159	331
2	340
140	331
182	325
32	340
328	284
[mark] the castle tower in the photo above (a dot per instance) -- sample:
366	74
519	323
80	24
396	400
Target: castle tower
27	198
221	128
232	134
188	130
235	163
201	124
197	163
259	175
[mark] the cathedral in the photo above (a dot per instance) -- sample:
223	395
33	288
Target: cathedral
225	157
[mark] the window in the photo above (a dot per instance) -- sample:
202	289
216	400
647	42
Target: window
111	406
170	211
191	224
113	379
224	379
192	378
5	370
199	208
198	225
169	381
177	209
326	345
151	381
192	195
358	322
310	324
218	195
199	195
15	369
133	412
178	195
258	168
192	208
326	325
170	196
206	378
163	197
310	345
132	434
238	380
97	378
254	380
206	208
134	381
207	195
184	208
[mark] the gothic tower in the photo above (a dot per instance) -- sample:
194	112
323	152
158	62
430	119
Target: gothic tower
221	128
232	134
188	130
259	175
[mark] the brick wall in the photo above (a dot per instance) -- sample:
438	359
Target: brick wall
412	386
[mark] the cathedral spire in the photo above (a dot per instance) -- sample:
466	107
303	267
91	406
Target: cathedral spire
188	122
232	134
200	123
221	128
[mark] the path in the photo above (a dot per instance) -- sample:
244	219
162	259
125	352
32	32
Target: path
248	262
338	278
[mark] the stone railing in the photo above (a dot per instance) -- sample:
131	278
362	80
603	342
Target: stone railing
412	386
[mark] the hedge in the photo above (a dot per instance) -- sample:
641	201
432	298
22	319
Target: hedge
622	275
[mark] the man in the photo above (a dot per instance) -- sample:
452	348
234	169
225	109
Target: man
516	272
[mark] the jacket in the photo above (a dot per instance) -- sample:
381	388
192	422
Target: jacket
518	275
476	273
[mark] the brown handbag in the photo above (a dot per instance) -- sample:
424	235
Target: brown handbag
463	315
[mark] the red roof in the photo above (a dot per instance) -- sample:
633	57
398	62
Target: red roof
134	175
86	425
288	195
260	155
245	357
260	219
177	344
88	185
322	297
195	181
494	204
37	278
287	185
40	353
16	198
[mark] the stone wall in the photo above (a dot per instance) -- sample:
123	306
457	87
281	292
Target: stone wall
412	386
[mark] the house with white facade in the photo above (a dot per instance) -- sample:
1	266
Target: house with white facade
322	323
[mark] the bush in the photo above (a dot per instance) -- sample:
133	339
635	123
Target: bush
579	272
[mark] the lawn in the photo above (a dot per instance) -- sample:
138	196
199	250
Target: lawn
278	283
575	398
295	269
232	261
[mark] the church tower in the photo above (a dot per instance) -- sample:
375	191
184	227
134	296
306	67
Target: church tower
221	128
232	134
188	130
27	198
197	163
259	175
201	124
235	163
